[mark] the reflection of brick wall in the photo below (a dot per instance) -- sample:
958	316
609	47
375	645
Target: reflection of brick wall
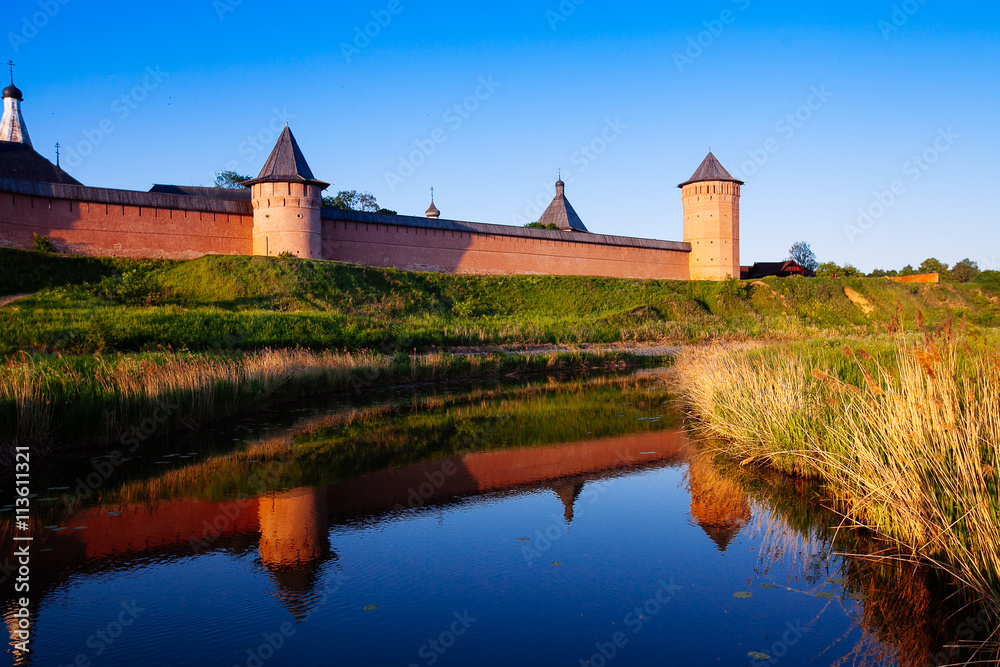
451	251
118	230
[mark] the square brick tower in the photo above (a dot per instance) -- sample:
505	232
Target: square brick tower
712	221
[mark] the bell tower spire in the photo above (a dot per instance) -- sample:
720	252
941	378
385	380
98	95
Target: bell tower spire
12	127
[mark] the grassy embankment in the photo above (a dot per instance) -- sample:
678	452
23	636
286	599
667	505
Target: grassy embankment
211	334
904	434
239	303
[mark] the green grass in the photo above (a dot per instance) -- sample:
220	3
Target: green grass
86	305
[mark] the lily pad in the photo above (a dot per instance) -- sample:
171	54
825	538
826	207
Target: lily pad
825	595
371	607
857	597
836	580
770	586
524	539
557	563
743	595
757	655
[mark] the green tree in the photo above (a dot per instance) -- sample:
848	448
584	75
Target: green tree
352	200
933	265
802	254
828	270
538	225
834	270
908	270
883	273
230	180
965	271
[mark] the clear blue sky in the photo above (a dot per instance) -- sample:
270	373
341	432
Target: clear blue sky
560	76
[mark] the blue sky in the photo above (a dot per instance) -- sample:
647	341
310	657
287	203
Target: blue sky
893	108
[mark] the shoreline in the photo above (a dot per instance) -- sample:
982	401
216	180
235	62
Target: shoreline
903	436
46	400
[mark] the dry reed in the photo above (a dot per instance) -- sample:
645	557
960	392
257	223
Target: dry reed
911	450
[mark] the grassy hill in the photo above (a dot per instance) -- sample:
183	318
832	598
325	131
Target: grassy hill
241	303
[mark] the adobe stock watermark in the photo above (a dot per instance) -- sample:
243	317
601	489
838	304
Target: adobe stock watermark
436	648
32	24
704	40
791	637
562	13
914	168
223	7
261	141
272	642
901	14
471	442
132	438
259	482
104	638
636	620
787	127
454	117
364	35
121	108
543	540
582	159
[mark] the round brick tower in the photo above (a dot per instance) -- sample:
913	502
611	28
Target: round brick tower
286	204
712	221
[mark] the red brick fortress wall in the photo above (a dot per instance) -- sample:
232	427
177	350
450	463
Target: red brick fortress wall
469	248
92	221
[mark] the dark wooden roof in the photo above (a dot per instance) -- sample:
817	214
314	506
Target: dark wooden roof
234	194
561	213
710	170
21	161
124	197
287	164
502	230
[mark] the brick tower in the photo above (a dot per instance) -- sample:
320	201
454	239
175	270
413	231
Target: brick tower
712	221
286	204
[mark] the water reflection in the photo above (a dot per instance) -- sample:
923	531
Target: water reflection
384	473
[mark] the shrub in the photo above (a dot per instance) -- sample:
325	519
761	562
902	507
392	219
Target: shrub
132	288
42	244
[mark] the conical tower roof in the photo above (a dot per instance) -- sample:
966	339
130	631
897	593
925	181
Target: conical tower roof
711	170
286	164
561	214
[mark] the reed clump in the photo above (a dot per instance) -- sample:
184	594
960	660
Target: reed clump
905	436
46	399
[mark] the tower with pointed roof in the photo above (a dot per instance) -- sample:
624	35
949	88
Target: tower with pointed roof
561	213
18	159
287	199
712	221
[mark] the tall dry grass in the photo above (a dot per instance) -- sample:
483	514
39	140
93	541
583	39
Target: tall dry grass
908	445
46	399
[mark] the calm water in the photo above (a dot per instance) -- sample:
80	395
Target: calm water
553	523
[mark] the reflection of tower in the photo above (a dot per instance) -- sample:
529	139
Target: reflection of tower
718	506
16	636
294	542
568	491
